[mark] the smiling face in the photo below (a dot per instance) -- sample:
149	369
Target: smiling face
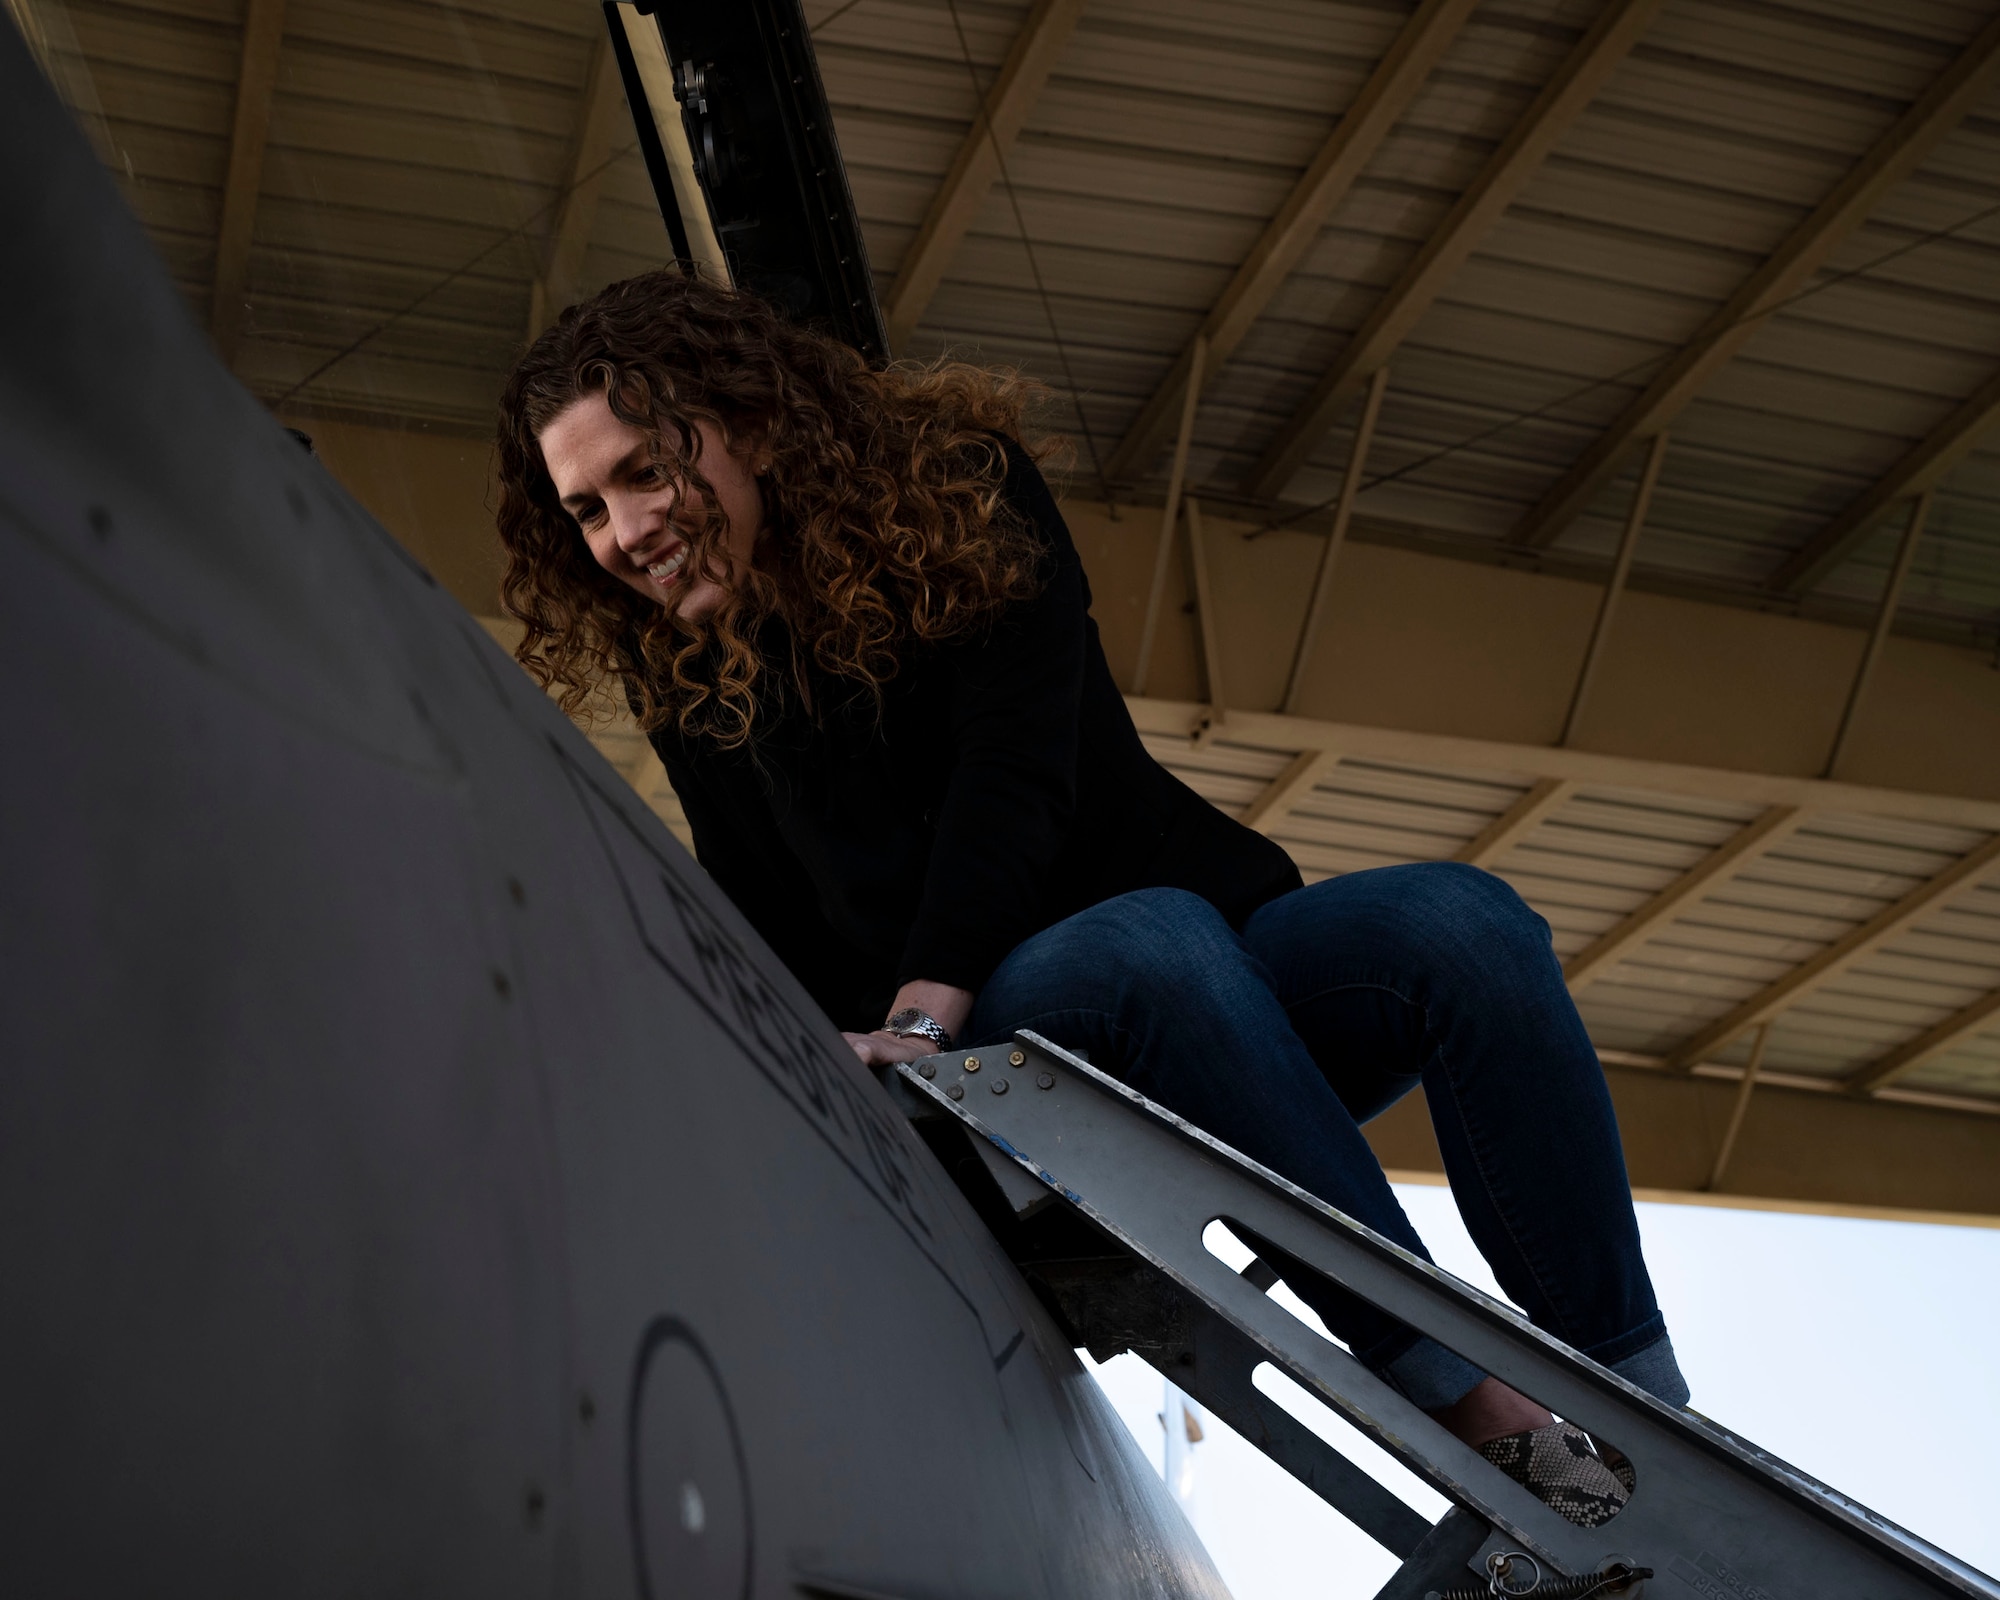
624	502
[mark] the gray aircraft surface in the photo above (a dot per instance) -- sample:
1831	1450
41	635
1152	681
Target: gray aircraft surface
415	1177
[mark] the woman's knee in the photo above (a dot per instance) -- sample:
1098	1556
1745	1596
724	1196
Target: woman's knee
1141	948
1448	915
1471	896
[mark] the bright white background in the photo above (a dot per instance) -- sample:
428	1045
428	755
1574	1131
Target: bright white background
1866	1353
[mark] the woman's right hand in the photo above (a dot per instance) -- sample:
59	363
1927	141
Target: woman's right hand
886	1049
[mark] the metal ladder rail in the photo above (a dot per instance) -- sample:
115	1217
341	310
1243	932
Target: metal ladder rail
1710	1509
1135	1307
1141	1310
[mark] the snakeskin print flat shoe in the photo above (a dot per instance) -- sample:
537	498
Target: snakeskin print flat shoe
1560	1467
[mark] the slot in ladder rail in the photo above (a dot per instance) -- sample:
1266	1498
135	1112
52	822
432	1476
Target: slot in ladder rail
1712	1517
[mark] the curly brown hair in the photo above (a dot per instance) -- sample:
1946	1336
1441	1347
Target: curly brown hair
882	504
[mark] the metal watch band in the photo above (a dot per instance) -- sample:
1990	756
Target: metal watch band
910	1023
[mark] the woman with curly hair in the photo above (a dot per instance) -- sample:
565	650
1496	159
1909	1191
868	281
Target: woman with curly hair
847	611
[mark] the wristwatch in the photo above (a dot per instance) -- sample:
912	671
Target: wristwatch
910	1023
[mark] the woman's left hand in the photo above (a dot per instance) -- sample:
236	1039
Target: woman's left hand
885	1049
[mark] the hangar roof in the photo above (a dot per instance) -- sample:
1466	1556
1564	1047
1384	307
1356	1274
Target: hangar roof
1171	133
420	159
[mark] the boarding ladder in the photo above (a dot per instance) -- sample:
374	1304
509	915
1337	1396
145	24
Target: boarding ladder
1102	1199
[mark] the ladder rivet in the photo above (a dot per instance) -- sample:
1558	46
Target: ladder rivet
999	1085
1016	1059
926	1070
972	1063
1045	1080
956	1091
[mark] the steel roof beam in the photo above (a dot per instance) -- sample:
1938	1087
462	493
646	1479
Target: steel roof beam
1614	588
1350	492
1516	822
1921	468
1871	652
1286	238
1893	158
1562	100
1354	741
996	123
1738	1110
1206	620
1754	840
1169	520
597	121
1889	923
256	83
1299	778
1960	1026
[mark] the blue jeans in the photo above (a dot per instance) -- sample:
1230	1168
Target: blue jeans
1332	1004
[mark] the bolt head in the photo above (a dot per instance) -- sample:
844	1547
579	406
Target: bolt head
1045	1080
926	1070
999	1085
972	1063
1016	1058
956	1091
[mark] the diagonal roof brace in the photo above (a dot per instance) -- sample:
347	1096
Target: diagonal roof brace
1538	130
1890	922
1893	157
1536	803
1976	1018
1765	833
1921	467
996	124
1286	238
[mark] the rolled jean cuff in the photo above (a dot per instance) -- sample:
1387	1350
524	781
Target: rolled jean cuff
1655	1370
1432	1377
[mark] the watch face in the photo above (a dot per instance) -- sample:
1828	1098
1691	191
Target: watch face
915	1024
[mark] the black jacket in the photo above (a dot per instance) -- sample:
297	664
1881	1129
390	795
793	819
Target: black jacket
999	788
